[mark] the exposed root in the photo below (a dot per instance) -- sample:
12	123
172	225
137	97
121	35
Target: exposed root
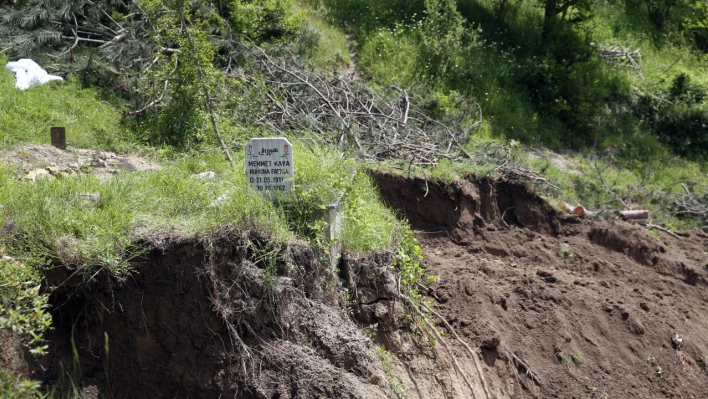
222	310
442	341
471	352
523	367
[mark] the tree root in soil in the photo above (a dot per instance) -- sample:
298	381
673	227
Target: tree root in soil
471	352
442	341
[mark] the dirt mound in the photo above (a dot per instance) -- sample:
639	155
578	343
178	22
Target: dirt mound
600	319
33	159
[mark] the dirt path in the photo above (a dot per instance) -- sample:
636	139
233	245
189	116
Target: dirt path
598	322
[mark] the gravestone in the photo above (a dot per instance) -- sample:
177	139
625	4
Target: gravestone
270	168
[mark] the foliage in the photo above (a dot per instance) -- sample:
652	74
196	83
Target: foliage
14	388
265	20
323	177
23	310
678	116
387	360
368	224
175	77
565	251
568	10
407	263
324	45
578	358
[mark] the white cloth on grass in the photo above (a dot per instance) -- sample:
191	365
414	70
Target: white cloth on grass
29	73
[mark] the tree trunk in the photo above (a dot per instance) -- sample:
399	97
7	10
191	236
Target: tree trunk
549	17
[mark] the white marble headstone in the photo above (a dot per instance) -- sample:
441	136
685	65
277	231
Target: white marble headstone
270	168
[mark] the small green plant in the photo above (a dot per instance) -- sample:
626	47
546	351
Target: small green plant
594	392
702	362
659	371
371	331
565	251
407	263
655	233
563	357
14	388
387	358
24	311
578	358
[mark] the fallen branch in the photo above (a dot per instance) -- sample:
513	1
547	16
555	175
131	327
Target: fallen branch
386	124
665	230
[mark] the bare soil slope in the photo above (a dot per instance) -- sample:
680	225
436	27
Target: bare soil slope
598	322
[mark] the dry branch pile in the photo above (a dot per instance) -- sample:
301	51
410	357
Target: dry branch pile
348	113
622	56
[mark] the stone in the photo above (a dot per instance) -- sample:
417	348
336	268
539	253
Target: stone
36	174
205	176
91	196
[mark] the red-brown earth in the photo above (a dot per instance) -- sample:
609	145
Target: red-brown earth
604	320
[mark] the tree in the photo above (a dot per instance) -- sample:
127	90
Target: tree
568	10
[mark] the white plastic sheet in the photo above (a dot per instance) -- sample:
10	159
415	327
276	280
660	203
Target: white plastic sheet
29	73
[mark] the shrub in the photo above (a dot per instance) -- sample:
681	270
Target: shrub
23	309
678	116
265	19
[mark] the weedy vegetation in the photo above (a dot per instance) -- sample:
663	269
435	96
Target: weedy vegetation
565	251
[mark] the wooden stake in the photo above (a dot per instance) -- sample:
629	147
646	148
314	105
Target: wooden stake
58	137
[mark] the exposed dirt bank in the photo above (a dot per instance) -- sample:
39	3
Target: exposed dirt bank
599	321
203	320
237	315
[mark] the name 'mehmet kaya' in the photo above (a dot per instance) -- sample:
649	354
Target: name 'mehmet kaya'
268	167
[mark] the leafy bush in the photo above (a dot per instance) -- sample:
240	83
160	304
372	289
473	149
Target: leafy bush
265	19
573	92
12	387
23	310
678	116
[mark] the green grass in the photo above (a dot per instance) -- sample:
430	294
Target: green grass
642	185
54	220
26	116
331	52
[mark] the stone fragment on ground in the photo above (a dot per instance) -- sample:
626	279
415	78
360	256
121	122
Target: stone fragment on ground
40	161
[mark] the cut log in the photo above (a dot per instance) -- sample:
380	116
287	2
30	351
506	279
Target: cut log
635	214
569	208
578	210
